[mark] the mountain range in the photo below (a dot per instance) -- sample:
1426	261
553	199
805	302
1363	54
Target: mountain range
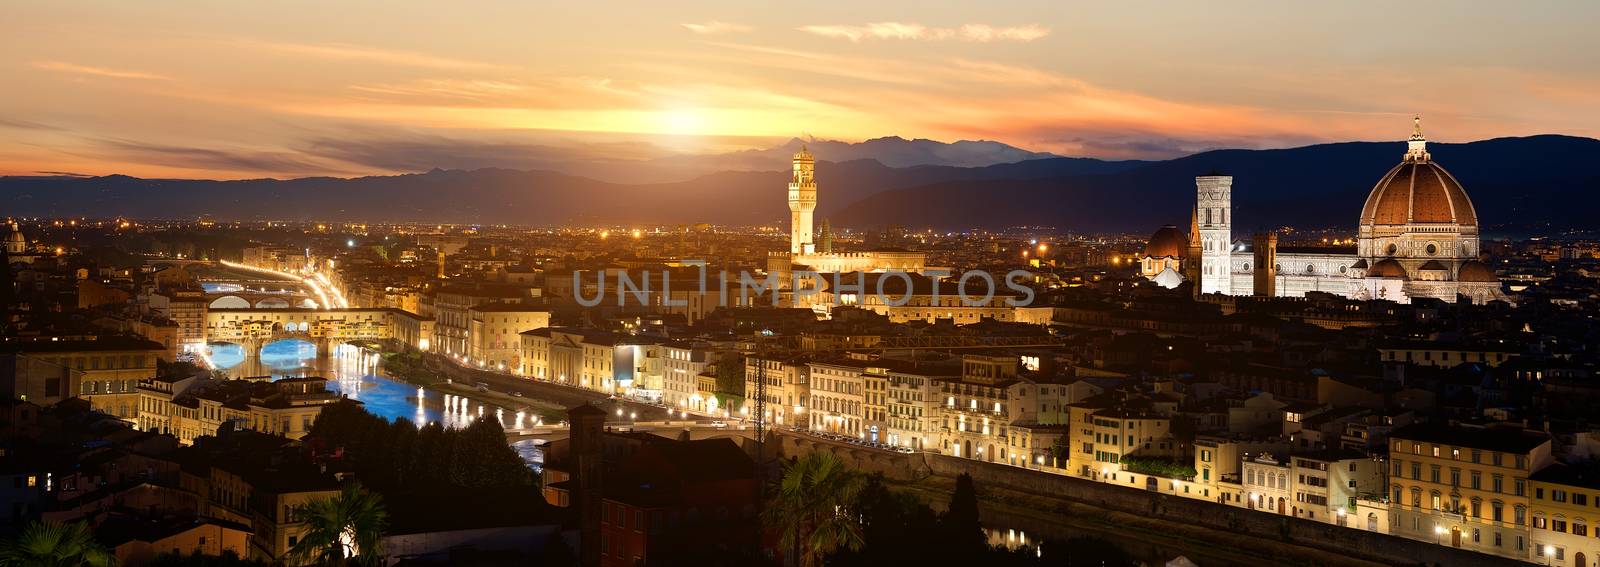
1536	182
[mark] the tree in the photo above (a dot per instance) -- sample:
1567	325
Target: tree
962	531
480	458
809	507
730	375
349	525
52	544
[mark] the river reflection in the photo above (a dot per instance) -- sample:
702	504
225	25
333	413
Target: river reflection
353	372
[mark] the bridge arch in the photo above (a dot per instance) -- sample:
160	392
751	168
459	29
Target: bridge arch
273	303
308	303
230	302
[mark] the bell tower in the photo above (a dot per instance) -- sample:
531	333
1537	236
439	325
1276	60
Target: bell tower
802	202
1213	213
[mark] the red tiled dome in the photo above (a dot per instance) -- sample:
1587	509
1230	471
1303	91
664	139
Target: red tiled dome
1167	242
1475	271
1387	269
1418	191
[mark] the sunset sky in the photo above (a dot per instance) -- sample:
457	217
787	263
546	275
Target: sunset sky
234	89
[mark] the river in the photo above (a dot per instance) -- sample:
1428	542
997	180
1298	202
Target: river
354	372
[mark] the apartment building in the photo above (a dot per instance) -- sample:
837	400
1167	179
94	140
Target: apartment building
1466	487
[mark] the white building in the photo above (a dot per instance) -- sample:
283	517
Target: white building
1417	237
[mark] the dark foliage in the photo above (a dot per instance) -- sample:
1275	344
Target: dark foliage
227	559
393	455
900	530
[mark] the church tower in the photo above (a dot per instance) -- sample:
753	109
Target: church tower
1214	215
802	202
1191	257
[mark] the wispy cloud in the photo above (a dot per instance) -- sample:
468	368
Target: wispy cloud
73	68
715	27
981	33
348	52
213	159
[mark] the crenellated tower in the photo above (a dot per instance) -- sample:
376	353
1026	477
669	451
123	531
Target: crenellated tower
802	203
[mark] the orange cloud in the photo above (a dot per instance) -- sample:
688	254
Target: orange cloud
981	33
341	51
97	71
715	27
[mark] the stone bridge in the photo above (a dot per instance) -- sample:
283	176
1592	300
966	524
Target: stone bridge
254	328
248	299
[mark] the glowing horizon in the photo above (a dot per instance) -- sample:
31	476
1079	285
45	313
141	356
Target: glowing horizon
295	89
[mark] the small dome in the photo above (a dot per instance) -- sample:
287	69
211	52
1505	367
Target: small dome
1168	278
1434	265
1168	242
1387	269
1360	264
1479	272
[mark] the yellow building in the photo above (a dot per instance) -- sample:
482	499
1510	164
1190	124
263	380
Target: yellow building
106	371
594	360
788	387
1465	487
1565	516
974	422
494	333
837	399
265	498
286	408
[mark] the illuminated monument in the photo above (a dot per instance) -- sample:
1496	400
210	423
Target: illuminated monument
1417	237
803	253
802	202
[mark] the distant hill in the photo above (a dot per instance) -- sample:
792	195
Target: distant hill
891	151
1532	182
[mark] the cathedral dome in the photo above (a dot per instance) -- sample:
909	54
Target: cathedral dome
1168	242
1478	272
1418	191
1387	269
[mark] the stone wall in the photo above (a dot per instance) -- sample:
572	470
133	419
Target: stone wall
893	465
1373	546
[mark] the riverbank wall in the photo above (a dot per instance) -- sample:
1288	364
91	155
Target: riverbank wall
1269	529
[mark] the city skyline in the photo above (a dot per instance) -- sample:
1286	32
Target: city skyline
230	93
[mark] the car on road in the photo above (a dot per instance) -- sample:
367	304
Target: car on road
516	393
719	423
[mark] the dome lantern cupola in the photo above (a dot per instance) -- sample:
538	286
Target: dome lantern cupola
1417	146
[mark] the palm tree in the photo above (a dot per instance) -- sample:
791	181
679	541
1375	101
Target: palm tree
51	544
809	506
347	526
